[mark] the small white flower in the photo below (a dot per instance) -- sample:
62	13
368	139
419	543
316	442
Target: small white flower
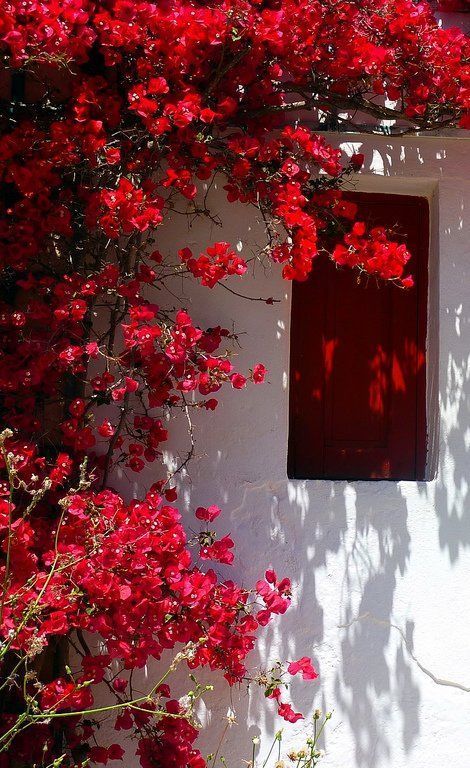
185	703
231	717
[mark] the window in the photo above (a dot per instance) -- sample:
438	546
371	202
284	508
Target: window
358	361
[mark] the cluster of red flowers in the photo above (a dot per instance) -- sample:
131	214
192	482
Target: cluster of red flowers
219	262
375	254
122	210
113	116
126	572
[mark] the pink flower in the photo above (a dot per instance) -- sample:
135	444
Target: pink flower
357	161
119	684
305	667
131	385
207	513
238	381
221	551
259	373
106	429
288	714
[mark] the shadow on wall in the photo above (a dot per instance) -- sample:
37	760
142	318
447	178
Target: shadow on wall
357	539
353	550
451	493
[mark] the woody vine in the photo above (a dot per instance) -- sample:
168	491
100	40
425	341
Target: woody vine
114	115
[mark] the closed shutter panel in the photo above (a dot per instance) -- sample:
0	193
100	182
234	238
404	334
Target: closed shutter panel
357	376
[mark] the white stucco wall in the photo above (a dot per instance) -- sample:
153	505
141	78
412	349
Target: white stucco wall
381	571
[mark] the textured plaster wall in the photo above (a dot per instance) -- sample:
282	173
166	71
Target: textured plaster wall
381	571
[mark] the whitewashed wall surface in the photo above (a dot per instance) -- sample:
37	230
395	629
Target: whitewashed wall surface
381	570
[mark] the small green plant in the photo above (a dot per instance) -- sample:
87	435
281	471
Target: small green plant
306	756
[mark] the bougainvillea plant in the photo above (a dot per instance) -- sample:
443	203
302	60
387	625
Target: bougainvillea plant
114	114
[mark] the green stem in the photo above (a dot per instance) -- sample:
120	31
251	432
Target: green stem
13	730
33	718
216	754
253	755
270	751
13	671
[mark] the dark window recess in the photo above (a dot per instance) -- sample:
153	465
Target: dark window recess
358	361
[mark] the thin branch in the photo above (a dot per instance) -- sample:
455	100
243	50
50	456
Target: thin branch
270	300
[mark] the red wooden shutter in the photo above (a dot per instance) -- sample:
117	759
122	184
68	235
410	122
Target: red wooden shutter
357	374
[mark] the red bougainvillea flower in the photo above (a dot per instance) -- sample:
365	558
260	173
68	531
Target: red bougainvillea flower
287	713
305	667
218	262
209	513
259	373
121	117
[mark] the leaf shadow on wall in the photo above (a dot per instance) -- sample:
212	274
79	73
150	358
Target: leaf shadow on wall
346	546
